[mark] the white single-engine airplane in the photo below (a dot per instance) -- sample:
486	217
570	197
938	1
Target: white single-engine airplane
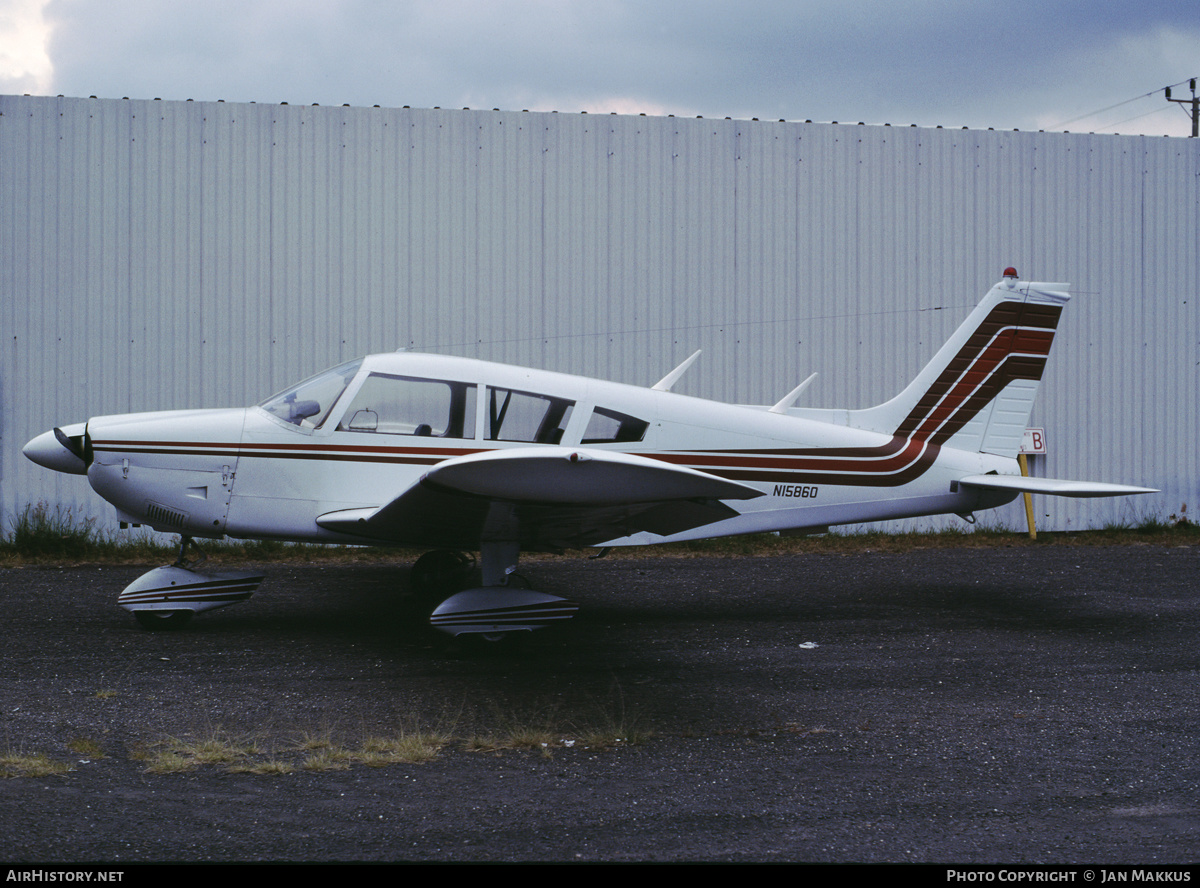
457	454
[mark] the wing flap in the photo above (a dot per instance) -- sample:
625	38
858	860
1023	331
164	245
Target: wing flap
1051	486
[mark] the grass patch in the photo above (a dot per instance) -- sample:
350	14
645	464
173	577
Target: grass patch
540	731
20	764
214	750
43	534
176	754
332	759
407	747
320	751
411	744
269	767
609	731
166	762
541	740
604	725
86	746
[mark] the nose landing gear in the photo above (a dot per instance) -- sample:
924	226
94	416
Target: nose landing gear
167	598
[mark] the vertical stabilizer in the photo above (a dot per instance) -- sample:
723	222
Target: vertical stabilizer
977	392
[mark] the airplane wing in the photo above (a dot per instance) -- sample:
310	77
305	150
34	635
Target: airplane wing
1051	486
545	498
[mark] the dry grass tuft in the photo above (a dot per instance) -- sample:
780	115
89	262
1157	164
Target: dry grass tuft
86	746
20	764
329	759
42	534
314	741
407	747
215	747
607	727
268	767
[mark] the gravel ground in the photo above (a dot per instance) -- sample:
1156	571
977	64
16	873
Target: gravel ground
1003	705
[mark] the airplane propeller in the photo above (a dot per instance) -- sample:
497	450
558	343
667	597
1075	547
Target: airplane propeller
80	445
61	451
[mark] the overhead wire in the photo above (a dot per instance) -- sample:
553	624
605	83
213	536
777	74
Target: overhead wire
613	334
1135	117
1119	104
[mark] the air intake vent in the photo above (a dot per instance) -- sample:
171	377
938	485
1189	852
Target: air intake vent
159	516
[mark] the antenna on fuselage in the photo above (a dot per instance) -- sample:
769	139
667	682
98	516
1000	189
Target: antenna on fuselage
664	384
790	398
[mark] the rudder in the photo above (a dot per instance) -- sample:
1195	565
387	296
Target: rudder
978	391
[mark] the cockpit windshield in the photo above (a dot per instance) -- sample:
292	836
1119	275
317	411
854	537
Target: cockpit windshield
306	405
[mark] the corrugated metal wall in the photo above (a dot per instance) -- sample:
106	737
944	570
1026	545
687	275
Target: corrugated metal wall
167	254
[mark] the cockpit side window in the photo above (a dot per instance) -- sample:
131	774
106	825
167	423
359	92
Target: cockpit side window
401	405
308	404
610	427
523	416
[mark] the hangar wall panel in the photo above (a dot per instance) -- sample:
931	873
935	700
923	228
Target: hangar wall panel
156	255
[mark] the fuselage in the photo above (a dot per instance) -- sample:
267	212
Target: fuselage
359	435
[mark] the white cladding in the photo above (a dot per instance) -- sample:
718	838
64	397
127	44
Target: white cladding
159	255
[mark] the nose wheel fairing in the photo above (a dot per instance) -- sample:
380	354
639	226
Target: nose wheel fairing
172	589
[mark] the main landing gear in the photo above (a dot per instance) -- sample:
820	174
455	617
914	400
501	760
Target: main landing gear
496	609
167	598
436	574
500	607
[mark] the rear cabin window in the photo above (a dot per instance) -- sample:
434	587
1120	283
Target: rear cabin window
610	427
401	405
524	416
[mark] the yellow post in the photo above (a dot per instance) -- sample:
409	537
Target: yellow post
1024	464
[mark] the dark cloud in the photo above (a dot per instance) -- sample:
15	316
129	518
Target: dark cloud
1015	64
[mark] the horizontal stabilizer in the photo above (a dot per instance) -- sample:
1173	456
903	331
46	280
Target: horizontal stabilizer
1051	486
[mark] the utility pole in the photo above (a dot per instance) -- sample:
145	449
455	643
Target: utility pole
1194	102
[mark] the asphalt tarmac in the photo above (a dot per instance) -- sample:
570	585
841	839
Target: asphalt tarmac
1026	704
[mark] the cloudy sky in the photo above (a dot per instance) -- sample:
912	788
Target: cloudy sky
1080	65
